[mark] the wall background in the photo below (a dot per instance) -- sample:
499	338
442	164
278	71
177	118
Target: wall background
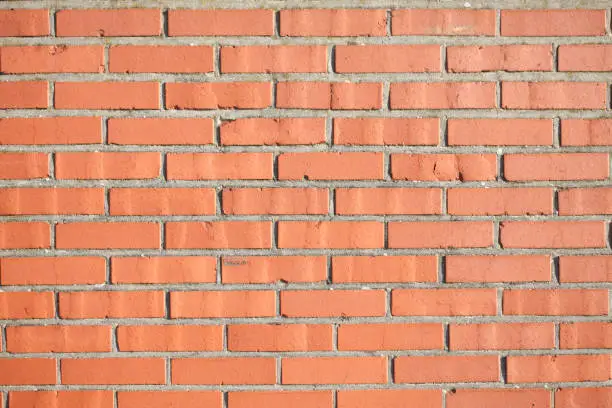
320	204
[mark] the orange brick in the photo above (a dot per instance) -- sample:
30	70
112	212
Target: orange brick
52	58
443	22
585	269
375	337
552	234
440	234
387	58
328	303
586	335
220	22
500	201
108	23
556	302
273	337
475	58
107	235
388	201
498	268
60	201
161	399
58	339
386	131
389	398
166	269
160	131
26	305
583	397
334	370
280	399
107	165
61	399
170	338
330	166
103	371
22	235
111	304
330	234
502	336
444	369
585	201
58	130
216	166
273	58
219	234
27	371
162	201
24	22
275	131
24	94
218	95
444	167
169	59
329	95
500	132
53	271
561	368
582	132
553	95
277	201
381	269
223	371
107	95
443	302
556	166
490	398
333	23
585	57
442	95
545	23
24	165
264	269
217	304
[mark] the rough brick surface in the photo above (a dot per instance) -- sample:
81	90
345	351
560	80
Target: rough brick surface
308	204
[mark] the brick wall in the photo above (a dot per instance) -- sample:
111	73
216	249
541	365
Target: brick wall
312	208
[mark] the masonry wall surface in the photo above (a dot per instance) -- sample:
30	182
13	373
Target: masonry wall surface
317	204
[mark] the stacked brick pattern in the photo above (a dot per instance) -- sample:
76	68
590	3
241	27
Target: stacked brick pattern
323	208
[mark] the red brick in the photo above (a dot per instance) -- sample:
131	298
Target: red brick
215	304
166	399
511	58
381	269
583	397
160	131
563	368
395	201
219	234
170	338
22	235
26	305
440	234
218	95
585	269
500	132
24	94
442	95
27	371
111	304
332	303
162	201
386	131
51	58
556	166
331	166
41	201
168	59
108	23
333	23
280	399
443	22
548	23
334	370
58	339
103	371
108	235
273	131
274	58
53	271
107	165
107	95
274	337
500	201
24	22
553	95
220	22
582	132
61	399
58	130
224	371
502	336
556	302
217	166
24	165
166	269
330	234
586	335
389	398
265	269
443	302
498	268
397	336
552	234
585	201
443	167
445	369
387	58
585	57
277	201
490	398
329	95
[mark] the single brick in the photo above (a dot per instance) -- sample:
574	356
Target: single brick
473	58
498	268
110	371
52	58
583	397
556	166
381	269
274	131
24	235
108	235
442	95
555	302
329	95
162	201
107	95
27	371
440	234
443	167
224	371
111	304
107	165
585	57
52	200
442	22
553	95
332	303
387	58
152	399
24	95
333	23
219	234
389	398
586	335
273	269
160	131
280	399
215	304
50	131
550	23
24	165
167	59
330	166
446	369
334	370
502	336
585	269
585	201
170	338
164	269
388	201
490	398
396	336
217	166
26	305
443	302
330	234
58	339
500	201
53	271
277	201
583	132
552	234
218	95
220	22
108	23
273	58
61	399
274	337
500	132
558	368
386	131
24	22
